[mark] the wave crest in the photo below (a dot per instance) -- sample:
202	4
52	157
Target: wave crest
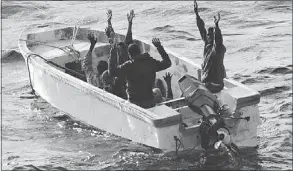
11	55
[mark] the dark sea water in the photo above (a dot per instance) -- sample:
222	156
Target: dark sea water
258	37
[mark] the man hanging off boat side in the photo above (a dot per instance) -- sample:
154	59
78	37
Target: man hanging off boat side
140	72
92	77
119	84
213	70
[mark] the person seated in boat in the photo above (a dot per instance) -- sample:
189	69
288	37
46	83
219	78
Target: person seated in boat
120	82
159	91
140	72
213	70
107	81
74	69
168	78
92	77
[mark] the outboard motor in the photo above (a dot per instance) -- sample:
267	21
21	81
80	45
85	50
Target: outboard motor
203	102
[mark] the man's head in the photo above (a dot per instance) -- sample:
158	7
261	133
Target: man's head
160	84
133	50
158	98
102	66
210	35
107	81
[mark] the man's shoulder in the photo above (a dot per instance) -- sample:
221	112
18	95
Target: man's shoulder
220	48
127	63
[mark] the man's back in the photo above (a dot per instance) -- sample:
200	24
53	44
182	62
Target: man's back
140	72
213	70
213	67
140	78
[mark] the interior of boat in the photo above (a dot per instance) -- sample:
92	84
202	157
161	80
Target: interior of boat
68	61
59	47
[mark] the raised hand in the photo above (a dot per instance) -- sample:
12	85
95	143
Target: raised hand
130	16
168	77
109	15
216	20
92	38
156	42
195	7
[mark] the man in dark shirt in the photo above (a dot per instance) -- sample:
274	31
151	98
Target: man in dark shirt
140	72
213	70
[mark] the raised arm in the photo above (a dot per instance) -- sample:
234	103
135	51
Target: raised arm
166	62
128	38
86	64
114	70
87	61
218	34
109	29
109	17
112	61
167	78
200	23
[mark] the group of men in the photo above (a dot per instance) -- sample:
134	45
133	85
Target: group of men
131	74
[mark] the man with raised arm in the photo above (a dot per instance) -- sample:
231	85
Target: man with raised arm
140	72
86	64
213	70
122	46
119	86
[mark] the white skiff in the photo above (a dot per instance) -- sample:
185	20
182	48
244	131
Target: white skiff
155	127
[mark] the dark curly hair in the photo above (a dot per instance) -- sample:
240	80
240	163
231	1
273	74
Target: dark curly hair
102	66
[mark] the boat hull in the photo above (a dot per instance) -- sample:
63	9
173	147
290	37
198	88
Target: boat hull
105	111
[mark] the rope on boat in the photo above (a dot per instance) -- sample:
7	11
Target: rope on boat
74	35
70	50
53	63
66	49
70	47
177	146
49	62
29	75
180	143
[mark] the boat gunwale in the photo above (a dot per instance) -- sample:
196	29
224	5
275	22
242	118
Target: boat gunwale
135	111
140	113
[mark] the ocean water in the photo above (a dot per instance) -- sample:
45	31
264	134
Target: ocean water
258	37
